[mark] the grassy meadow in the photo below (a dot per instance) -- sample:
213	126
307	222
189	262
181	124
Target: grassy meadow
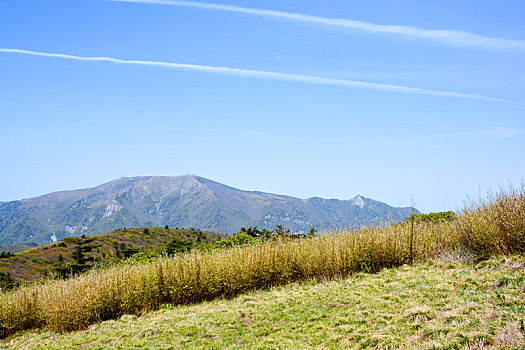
438	304
495	226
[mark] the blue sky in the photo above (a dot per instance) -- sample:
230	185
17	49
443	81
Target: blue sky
69	123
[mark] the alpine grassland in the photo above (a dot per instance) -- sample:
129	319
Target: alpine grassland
438	304
493	227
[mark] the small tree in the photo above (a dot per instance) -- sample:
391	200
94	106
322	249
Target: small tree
280	231
6	281
83	245
266	234
178	246
129	252
251	231
117	248
240	238
6	255
312	232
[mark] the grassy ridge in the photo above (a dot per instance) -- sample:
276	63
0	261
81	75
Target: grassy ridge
434	305
37	262
16	247
133	289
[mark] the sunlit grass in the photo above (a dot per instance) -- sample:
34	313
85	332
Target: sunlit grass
495	226
431	305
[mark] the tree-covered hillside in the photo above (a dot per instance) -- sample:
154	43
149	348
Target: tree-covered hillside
45	260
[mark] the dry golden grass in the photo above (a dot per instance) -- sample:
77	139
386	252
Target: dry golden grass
495	226
431	305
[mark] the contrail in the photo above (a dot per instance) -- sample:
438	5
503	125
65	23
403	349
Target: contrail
447	37
309	79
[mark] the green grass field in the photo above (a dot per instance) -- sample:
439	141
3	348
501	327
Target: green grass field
440	304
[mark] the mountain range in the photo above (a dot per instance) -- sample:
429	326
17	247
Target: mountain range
178	201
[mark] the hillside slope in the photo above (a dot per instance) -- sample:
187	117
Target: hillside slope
16	247
38	262
433	305
182	201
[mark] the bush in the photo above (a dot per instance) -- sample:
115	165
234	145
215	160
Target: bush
129	252
178	246
66	270
444	216
240	238
6	281
495	225
145	256
6	255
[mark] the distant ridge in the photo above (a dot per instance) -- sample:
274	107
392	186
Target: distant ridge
186	201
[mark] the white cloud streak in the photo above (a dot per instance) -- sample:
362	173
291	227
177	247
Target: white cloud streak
268	75
446	37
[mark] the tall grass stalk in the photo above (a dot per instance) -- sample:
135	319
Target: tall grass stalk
496	226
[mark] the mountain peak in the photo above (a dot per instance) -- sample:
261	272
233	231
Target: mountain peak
177	201
358	201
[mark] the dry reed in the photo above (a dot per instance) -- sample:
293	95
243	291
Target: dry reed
495	226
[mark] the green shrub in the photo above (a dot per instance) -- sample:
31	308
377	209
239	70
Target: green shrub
6	281
6	255
237	239
178	246
444	216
